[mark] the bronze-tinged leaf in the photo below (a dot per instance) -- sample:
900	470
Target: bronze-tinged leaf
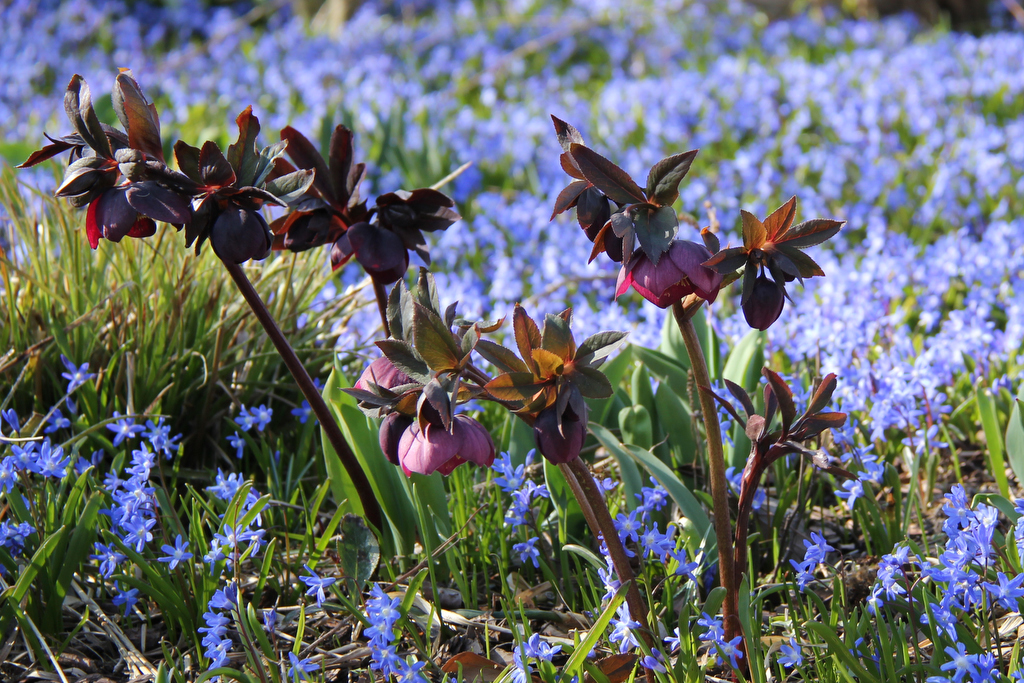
526	332
784	396
78	106
475	669
137	116
754	232
556	337
592	382
515	386
727	261
187	158
822	395
567	135
548	364
749	280
403	356
616	668
243	155
599	247
606	176
804	263
665	176
740	394
500	357
292	187
771	404
567	197
339	157
780	219
810	233
597	347
159	203
305	155
568	165
722	402
812	426
49	151
710	240
214	168
433	341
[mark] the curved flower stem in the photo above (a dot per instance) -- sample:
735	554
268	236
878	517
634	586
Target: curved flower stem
582	481
370	507
381	294
716	465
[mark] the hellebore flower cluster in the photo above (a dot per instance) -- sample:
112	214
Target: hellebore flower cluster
123	179
427	370
637	228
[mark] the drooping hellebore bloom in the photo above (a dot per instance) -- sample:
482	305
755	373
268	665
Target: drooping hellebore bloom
678	273
391	432
559	443
764	305
383	373
380	252
435	449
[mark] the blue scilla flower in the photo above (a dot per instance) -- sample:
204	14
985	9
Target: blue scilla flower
657	544
528	551
238	443
11	418
159	436
300	667
512	478
176	554
539	649
51	461
226	485
622	630
75	375
56	422
790	654
8	474
304	412
125	598
316	585
124	428
109	559
246	420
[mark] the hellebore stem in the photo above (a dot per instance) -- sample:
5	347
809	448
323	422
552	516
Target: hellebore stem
381	295
716	465
370	507
582	481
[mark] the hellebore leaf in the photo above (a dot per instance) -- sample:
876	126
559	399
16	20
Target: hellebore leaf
339	156
514	386
728	260
710	240
740	394
159	203
822	395
305	155
597	347
78	106
500	357
434	341
266	161
242	155
567	134
568	196
214	168
434	394
403	356
606	176
548	364
526	332
811	233
188	157
754	231
815	424
804	263
592	382
289	188
655	229
665	176
426	291
784	396
469	340
137	115
557	337
780	219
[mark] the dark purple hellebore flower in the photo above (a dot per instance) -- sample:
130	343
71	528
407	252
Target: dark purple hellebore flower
559	446
434	449
241	234
391	431
380	251
677	274
383	373
764	305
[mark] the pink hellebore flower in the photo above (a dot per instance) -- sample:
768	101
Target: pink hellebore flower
434	449
679	273
382	373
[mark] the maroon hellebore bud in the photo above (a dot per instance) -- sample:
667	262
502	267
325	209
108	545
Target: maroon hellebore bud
764	306
391	431
434	449
380	252
559	447
383	373
678	273
240	234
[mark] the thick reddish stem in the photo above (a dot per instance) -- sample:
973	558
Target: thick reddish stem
370	506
